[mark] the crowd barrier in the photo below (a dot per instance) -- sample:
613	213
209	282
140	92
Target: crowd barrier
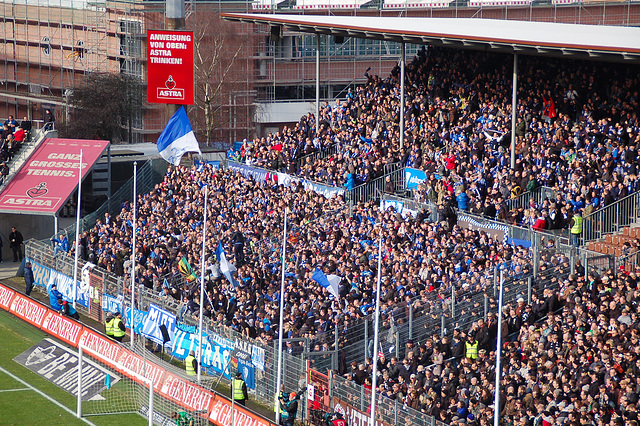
417	320
169	382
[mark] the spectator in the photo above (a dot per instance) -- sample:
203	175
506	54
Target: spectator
55	298
28	278
15	242
61	245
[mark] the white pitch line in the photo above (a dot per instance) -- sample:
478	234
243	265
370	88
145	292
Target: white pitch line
14	390
64	407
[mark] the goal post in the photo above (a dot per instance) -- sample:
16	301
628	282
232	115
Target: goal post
111	388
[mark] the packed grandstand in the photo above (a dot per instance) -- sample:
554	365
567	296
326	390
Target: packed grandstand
570	356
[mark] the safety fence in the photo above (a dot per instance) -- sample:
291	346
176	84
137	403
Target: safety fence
323	152
612	218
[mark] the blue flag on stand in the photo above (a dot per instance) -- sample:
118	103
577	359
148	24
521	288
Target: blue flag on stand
107	381
226	268
177	138
331	282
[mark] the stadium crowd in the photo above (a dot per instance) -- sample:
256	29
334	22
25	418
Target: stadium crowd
571	357
561	356
576	132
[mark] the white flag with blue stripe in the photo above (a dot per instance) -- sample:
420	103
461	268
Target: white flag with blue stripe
226	268
177	138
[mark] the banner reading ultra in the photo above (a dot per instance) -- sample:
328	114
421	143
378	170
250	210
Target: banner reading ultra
50	176
170	71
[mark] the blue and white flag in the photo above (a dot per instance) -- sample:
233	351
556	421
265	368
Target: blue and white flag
226	268
331	282
177	138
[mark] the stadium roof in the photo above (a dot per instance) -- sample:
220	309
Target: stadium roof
597	42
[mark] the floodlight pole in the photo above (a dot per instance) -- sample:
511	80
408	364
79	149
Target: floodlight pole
133	254
75	261
202	287
317	85
514	110
402	54
496	398
281	319
376	333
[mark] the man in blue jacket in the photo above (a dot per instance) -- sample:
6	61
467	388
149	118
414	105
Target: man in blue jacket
62	245
54	297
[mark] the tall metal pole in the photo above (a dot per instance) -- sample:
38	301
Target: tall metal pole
75	261
317	85
514	112
202	288
281	319
402	95
376	333
133	252
496	400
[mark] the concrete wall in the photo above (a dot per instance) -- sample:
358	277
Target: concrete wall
31	226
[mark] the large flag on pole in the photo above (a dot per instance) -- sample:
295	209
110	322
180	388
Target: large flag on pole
331	282
177	138
226	268
185	268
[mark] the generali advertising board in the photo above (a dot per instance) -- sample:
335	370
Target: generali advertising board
170	78
188	395
50	176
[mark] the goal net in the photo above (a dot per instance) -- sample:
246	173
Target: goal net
111	388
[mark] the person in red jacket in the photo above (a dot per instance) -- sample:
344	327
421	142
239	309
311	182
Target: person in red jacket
541	223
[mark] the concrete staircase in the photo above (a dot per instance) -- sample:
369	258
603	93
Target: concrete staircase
613	243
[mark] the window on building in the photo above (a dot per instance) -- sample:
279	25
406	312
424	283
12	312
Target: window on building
46	46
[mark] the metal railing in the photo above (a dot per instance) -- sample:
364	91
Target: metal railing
374	189
612	218
323	152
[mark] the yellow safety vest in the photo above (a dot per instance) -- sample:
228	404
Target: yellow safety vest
471	350
190	370
108	327
238	393
577	225
117	332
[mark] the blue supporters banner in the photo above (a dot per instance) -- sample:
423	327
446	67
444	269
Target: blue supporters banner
44	277
154	319
245	367
217	350
138	319
397	205
257	357
111	304
414	177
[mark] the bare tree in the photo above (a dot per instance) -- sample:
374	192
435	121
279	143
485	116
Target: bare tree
218	71
103	107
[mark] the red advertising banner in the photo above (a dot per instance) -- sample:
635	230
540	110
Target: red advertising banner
6	294
185	393
352	416
100	344
50	176
170	71
138	365
62	327
221	414
27	309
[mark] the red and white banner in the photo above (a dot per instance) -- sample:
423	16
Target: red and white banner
27	309
138	365
6	294
185	393
170	71
222	414
102	345
50	176
62	327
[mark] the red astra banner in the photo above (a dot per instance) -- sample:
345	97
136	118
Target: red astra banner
62	327
27	309
170	71
50	176
6	294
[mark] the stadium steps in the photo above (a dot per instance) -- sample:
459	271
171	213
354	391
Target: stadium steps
613	243
21	157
